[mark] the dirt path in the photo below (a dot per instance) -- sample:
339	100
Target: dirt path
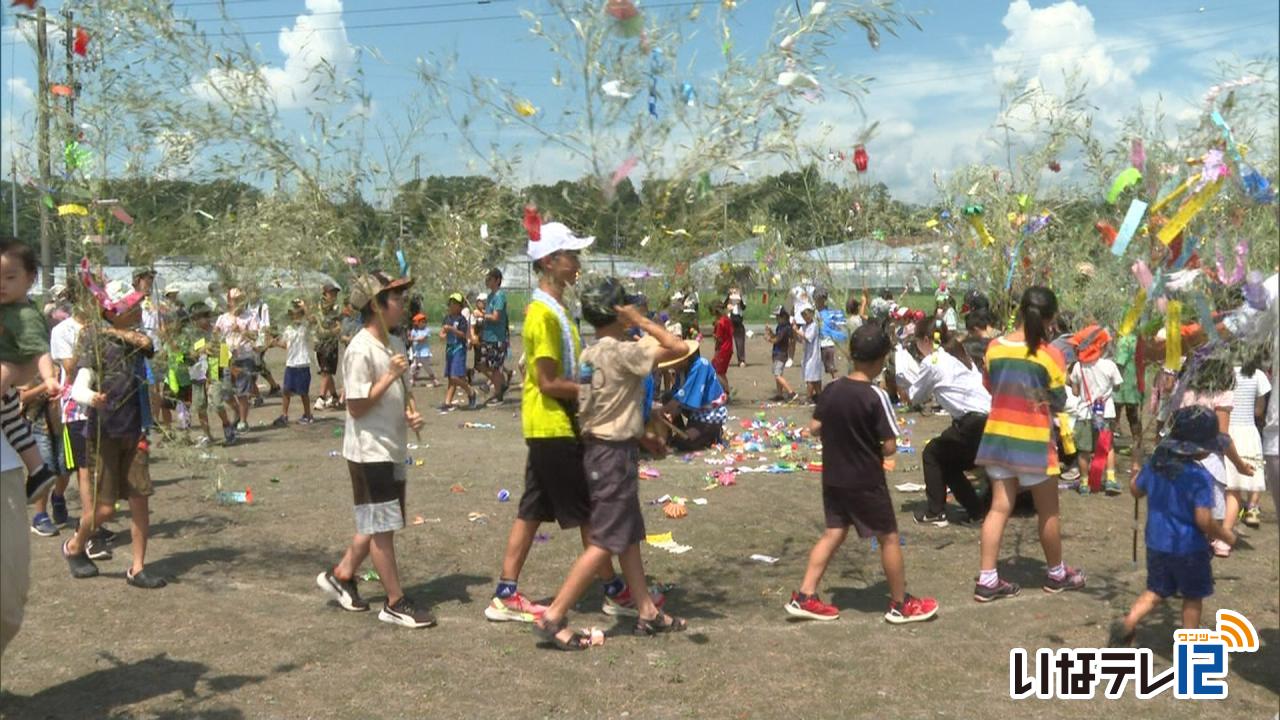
242	632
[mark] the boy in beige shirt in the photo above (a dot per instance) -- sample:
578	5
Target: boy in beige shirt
610	413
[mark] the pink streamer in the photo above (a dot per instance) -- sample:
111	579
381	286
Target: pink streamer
1143	274
121	215
352	261
1237	275
623	171
1137	154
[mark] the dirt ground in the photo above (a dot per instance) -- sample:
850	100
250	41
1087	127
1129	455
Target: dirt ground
242	631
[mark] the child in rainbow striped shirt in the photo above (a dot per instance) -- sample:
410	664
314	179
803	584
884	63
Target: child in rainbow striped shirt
1027	378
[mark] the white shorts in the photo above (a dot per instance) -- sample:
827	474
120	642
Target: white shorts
1000	472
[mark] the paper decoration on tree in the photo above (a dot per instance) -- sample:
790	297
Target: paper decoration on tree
1126	179
1173	336
62	90
351	261
29	4
484	231
687	93
1128	227
623	171
404	263
860	158
793	80
524	108
1256	185
759	229
1137	155
973	215
1189	209
613	89
1134	312
1055	166
81	43
72	209
118	213
629	22
1107	232
1237	276
75	156
1142	274
532	223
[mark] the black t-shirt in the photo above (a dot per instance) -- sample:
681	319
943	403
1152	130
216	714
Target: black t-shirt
856	418
781	337
120	374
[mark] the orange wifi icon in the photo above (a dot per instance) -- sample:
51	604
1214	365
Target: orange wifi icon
1236	632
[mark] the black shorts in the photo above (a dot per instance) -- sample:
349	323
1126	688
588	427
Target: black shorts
869	510
74	433
327	358
613	482
555	486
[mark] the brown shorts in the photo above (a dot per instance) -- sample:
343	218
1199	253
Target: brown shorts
613	481
555	487
869	510
122	470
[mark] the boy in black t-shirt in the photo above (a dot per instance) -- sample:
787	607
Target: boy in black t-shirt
855	420
781	338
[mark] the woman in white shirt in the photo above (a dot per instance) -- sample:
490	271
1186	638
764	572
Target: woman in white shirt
949	375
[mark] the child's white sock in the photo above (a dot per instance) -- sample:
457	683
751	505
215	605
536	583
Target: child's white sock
988	578
1057	572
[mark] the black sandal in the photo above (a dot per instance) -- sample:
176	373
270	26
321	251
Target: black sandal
661	624
549	633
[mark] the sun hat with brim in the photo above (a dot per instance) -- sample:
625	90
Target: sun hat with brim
120	298
458	298
691	347
555	237
367	287
1195	432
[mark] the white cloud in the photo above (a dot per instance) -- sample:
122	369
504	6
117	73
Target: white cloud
18	89
1047	45
317	53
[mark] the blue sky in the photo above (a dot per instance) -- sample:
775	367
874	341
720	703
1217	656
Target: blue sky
935	94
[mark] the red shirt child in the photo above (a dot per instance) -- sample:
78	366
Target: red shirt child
724	344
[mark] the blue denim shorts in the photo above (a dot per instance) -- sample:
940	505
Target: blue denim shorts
1189	575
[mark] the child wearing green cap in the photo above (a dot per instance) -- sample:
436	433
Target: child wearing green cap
455	331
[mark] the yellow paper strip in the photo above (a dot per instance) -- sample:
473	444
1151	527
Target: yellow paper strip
656	538
72	209
1189	209
1177	193
1173	336
981	228
1135	311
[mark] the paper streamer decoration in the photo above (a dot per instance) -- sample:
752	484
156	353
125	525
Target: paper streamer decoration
1256	185
118	213
979	227
1173	336
1174	194
1137	154
1205	313
1137	209
1143	274
1237	276
687	93
1135	311
81	43
404	263
1107	232
613	89
1189	246
860	158
623	171
1126	179
525	109
484	231
1189	210
532	223
72	209
1013	263
62	90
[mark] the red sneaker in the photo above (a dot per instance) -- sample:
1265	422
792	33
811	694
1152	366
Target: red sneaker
516	608
911	609
623	605
811	608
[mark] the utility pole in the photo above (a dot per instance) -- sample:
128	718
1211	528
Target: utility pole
71	130
42	138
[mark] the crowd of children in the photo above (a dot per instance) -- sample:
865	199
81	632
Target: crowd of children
1023	405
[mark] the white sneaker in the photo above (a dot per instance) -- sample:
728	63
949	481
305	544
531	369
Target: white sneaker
242	427
1072	474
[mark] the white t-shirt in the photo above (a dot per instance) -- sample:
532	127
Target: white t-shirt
232	328
151	321
812	363
297	343
62	346
1098	380
379	435
1246	394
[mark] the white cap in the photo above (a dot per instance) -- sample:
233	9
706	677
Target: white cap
555	237
482	297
